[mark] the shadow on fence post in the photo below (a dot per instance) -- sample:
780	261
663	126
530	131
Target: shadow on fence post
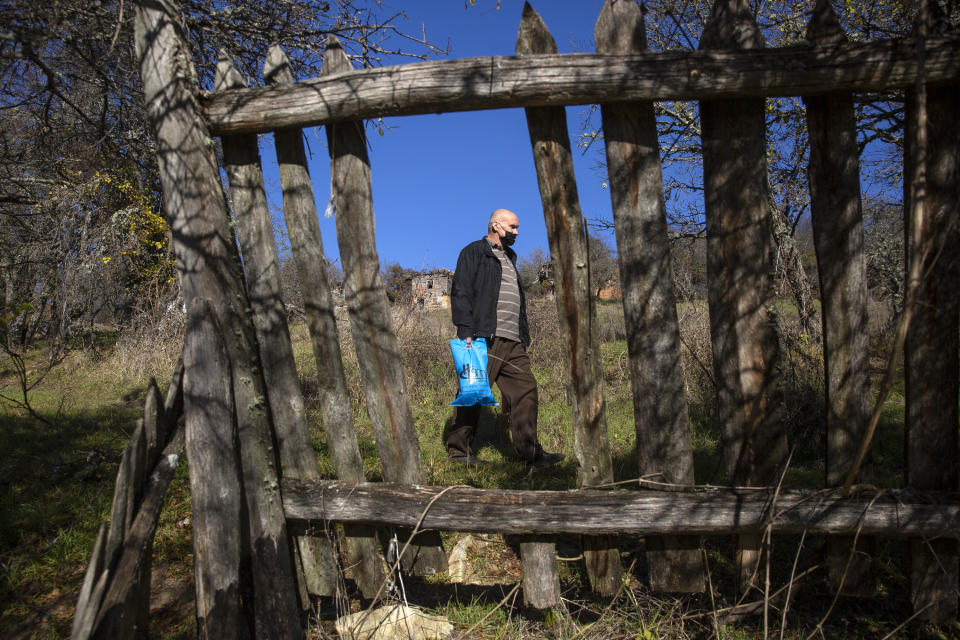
835	208
241	160
932	224
209	270
742	323
675	564
575	302
114	600
300	212
373	334
214	464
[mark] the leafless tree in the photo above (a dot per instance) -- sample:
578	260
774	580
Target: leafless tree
82	231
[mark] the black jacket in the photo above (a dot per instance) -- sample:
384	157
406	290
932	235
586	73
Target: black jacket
476	288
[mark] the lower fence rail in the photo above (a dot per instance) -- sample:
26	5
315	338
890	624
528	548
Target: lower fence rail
890	512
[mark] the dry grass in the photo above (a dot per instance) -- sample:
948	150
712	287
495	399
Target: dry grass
57	484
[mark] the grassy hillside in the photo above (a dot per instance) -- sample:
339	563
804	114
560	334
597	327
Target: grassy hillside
59	461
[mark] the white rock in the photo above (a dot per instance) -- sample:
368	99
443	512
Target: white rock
393	622
458	566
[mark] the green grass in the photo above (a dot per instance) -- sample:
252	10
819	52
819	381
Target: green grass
58	483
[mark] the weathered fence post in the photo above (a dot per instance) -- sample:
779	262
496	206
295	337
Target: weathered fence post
738	274
241	159
835	207
575	302
538	559
649	306
209	269
114	601
214	465
300	212
932	225
125	610
373	334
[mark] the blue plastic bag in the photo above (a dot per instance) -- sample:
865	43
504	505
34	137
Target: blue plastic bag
471	367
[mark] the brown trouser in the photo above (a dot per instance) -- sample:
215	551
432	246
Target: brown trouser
509	366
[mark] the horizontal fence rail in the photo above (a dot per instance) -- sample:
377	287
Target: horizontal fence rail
564	79
730	87
708	512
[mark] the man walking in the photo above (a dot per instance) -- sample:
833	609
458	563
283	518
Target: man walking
487	301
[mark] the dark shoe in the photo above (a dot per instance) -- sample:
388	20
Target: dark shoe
468	460
544	459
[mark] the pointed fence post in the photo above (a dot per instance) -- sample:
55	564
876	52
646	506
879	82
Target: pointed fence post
675	564
575	302
373	334
300	212
932	224
742	325
209	269
125	610
103	611
114	600
241	158
836	212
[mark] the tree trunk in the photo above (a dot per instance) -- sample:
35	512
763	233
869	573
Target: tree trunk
794	274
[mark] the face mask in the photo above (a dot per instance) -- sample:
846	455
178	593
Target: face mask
508	238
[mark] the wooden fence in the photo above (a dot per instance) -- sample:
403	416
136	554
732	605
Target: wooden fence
245	417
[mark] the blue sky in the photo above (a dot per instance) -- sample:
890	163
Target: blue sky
436	178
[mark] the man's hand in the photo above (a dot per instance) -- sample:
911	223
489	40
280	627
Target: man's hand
468	341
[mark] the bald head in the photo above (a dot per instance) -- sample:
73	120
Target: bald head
503	216
503	222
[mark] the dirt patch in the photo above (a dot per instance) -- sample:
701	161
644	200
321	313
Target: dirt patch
172	603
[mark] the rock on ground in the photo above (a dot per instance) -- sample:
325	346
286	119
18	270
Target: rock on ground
393	622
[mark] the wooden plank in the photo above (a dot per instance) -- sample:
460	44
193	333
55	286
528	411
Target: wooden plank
836	212
575	302
563	79
541	582
88	602
124	612
649	307
360	547
173	402
214	479
241	158
100	572
708	512
152	407
119	516
932	348
171	411
136	613
209	269
738	273
373	335
267	546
